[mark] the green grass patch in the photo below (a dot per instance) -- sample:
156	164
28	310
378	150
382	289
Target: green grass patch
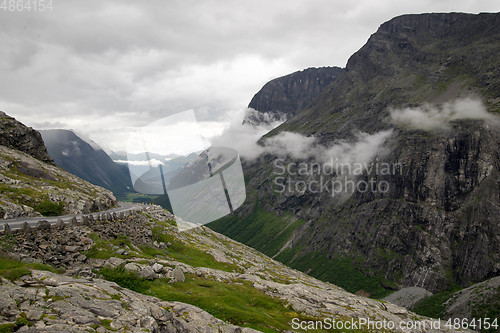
433	306
103	249
107	324
7	328
151	251
122	240
49	208
137	197
268	233
7	242
14	269
22	320
17	273
339	271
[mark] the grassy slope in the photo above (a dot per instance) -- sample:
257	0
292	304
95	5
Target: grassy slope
268	233
339	271
261	230
13	269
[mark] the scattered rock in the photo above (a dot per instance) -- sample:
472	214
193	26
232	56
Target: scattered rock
114	262
73	221
178	275
157	268
122	252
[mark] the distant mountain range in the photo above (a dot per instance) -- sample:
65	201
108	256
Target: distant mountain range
145	169
122	173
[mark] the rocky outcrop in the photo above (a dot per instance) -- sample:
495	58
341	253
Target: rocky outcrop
31	185
481	300
17	136
409	60
284	97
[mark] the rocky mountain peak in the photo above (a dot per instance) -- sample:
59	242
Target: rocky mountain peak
17	136
283	97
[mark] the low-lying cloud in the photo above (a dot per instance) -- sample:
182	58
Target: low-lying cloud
244	139
363	149
432	117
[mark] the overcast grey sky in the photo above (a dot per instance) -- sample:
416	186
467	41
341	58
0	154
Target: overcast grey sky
106	67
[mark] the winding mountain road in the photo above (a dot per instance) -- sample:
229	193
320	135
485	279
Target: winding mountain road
123	207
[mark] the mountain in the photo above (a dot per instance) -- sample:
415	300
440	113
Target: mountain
31	187
80	158
423	95
284	97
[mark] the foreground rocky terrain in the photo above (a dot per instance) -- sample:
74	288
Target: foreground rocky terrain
145	252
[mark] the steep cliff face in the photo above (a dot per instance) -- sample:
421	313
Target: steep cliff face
20	137
438	224
284	97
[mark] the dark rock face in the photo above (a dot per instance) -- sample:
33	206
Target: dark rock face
440	222
284	97
74	155
17	136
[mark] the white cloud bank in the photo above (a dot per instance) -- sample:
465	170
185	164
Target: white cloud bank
432	117
363	149
243	138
